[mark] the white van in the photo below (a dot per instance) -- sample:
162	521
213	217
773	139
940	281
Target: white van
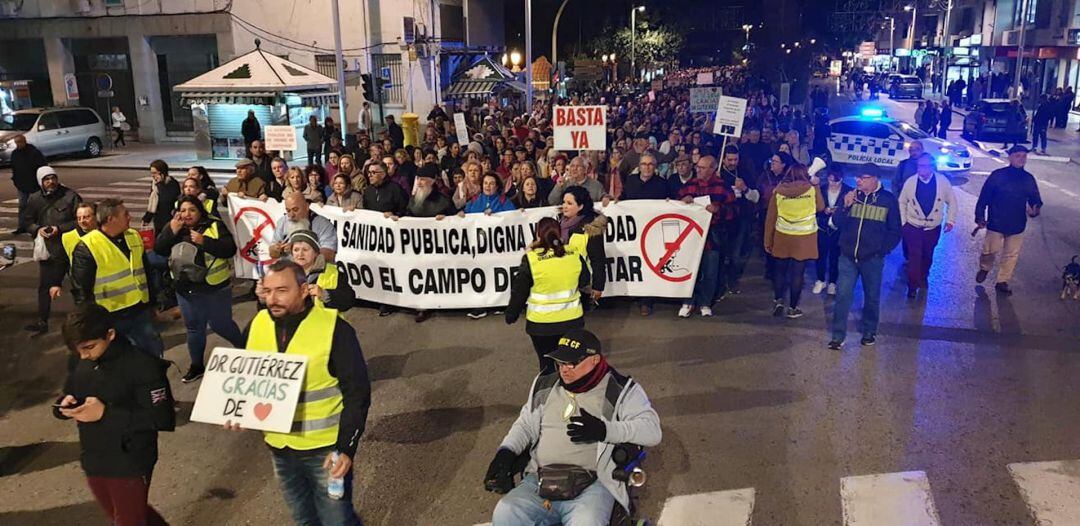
54	131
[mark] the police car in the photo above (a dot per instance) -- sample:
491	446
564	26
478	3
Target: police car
873	137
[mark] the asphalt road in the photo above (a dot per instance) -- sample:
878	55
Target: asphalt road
961	384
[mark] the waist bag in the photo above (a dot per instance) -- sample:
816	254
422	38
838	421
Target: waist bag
564	481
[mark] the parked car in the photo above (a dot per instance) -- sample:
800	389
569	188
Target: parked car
54	131
905	87
988	121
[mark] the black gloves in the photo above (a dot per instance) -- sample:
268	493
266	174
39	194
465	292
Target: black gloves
586	428
500	474
510	318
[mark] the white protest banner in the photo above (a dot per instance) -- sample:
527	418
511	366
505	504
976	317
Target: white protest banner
704	100
652	248
580	127
252	221
704	78
258	390
461	129
730	112
280	138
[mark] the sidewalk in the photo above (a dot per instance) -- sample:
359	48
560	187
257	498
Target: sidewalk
138	156
1062	144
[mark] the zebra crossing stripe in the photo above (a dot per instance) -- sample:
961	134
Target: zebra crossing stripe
717	508
888	499
1051	490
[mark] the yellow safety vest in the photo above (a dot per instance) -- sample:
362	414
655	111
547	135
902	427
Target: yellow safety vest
315	423
218	270
797	216
554	296
120	281
70	239
327	280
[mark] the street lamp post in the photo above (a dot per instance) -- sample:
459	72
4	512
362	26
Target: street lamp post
914	8
555	38
633	38
528	57
892	44
1024	6
747	28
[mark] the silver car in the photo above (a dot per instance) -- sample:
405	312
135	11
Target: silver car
54	131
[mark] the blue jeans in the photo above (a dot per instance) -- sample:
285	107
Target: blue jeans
303	483
850	270
708	273
140	331
214	309
523	505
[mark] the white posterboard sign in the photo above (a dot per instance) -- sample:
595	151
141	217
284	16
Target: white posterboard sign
258	390
280	138
461	129
704	78
730	112
580	127
704	100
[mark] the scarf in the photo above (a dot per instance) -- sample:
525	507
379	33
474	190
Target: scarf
568	224
589	381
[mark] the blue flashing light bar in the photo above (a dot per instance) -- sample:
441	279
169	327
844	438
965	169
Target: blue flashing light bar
872	113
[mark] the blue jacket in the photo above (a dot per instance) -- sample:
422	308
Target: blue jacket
870	227
482	202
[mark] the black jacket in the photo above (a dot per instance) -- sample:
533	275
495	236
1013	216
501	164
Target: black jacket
168	192
655	188
251	129
222	247
870	227
138	403
1004	198
387	197
56	209
262	170
822	217
24	165
347	365
397	135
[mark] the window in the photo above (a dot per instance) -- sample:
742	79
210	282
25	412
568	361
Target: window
846	127
326	65
48	122
73	118
876	130
452	23
390	63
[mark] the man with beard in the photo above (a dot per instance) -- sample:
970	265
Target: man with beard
49	214
334	402
298	216
428	202
737	248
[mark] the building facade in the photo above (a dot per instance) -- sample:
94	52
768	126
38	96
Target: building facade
130	53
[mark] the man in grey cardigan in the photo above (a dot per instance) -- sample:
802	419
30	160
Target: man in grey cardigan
576	175
573	418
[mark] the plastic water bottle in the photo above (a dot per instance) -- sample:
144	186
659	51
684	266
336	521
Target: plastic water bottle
335	486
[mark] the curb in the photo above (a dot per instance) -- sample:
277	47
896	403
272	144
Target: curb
179	167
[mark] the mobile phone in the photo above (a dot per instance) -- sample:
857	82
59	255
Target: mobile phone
72	406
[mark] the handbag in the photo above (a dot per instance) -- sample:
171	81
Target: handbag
41	252
564	481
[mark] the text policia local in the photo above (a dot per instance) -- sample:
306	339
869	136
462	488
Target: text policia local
498	240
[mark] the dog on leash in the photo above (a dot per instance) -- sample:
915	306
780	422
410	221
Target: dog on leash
1070	280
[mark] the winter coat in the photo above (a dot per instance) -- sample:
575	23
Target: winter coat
781	245
482	202
56	209
24	166
138	403
1004	199
168	191
222	247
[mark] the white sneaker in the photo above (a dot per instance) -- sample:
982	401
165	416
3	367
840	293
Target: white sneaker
819	286
706	312
831	290
684	311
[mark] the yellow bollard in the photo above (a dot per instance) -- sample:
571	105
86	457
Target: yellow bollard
410	124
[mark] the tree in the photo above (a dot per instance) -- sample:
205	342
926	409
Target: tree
655	46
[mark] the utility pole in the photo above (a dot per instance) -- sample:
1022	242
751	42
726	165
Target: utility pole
946	43
528	58
892	44
633	39
338	59
1024	6
555	39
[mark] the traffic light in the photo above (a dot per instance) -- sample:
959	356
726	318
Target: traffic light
370	93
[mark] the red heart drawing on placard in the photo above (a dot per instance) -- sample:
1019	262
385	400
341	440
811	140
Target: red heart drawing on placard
262	410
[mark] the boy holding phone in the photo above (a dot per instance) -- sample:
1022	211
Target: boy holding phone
120	398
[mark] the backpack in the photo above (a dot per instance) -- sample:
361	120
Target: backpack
183	263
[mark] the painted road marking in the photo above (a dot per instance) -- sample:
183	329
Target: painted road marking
716	508
1050	489
888	499
1068	193
1049	184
